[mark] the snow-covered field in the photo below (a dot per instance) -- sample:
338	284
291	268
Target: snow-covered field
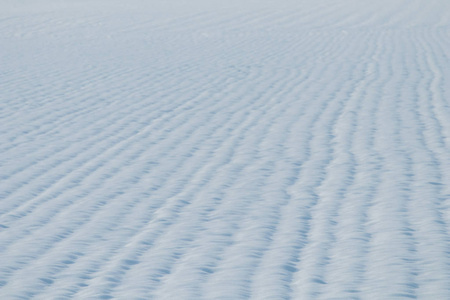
225	149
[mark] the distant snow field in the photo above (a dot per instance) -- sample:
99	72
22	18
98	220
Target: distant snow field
292	149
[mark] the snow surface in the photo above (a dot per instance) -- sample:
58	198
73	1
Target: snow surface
225	150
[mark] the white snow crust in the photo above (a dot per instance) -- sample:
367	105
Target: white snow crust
225	149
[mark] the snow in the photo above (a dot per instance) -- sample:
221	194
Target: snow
224	150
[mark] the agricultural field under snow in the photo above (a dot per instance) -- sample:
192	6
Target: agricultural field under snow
225	149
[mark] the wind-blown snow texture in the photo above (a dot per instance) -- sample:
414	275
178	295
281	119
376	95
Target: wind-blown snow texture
233	150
